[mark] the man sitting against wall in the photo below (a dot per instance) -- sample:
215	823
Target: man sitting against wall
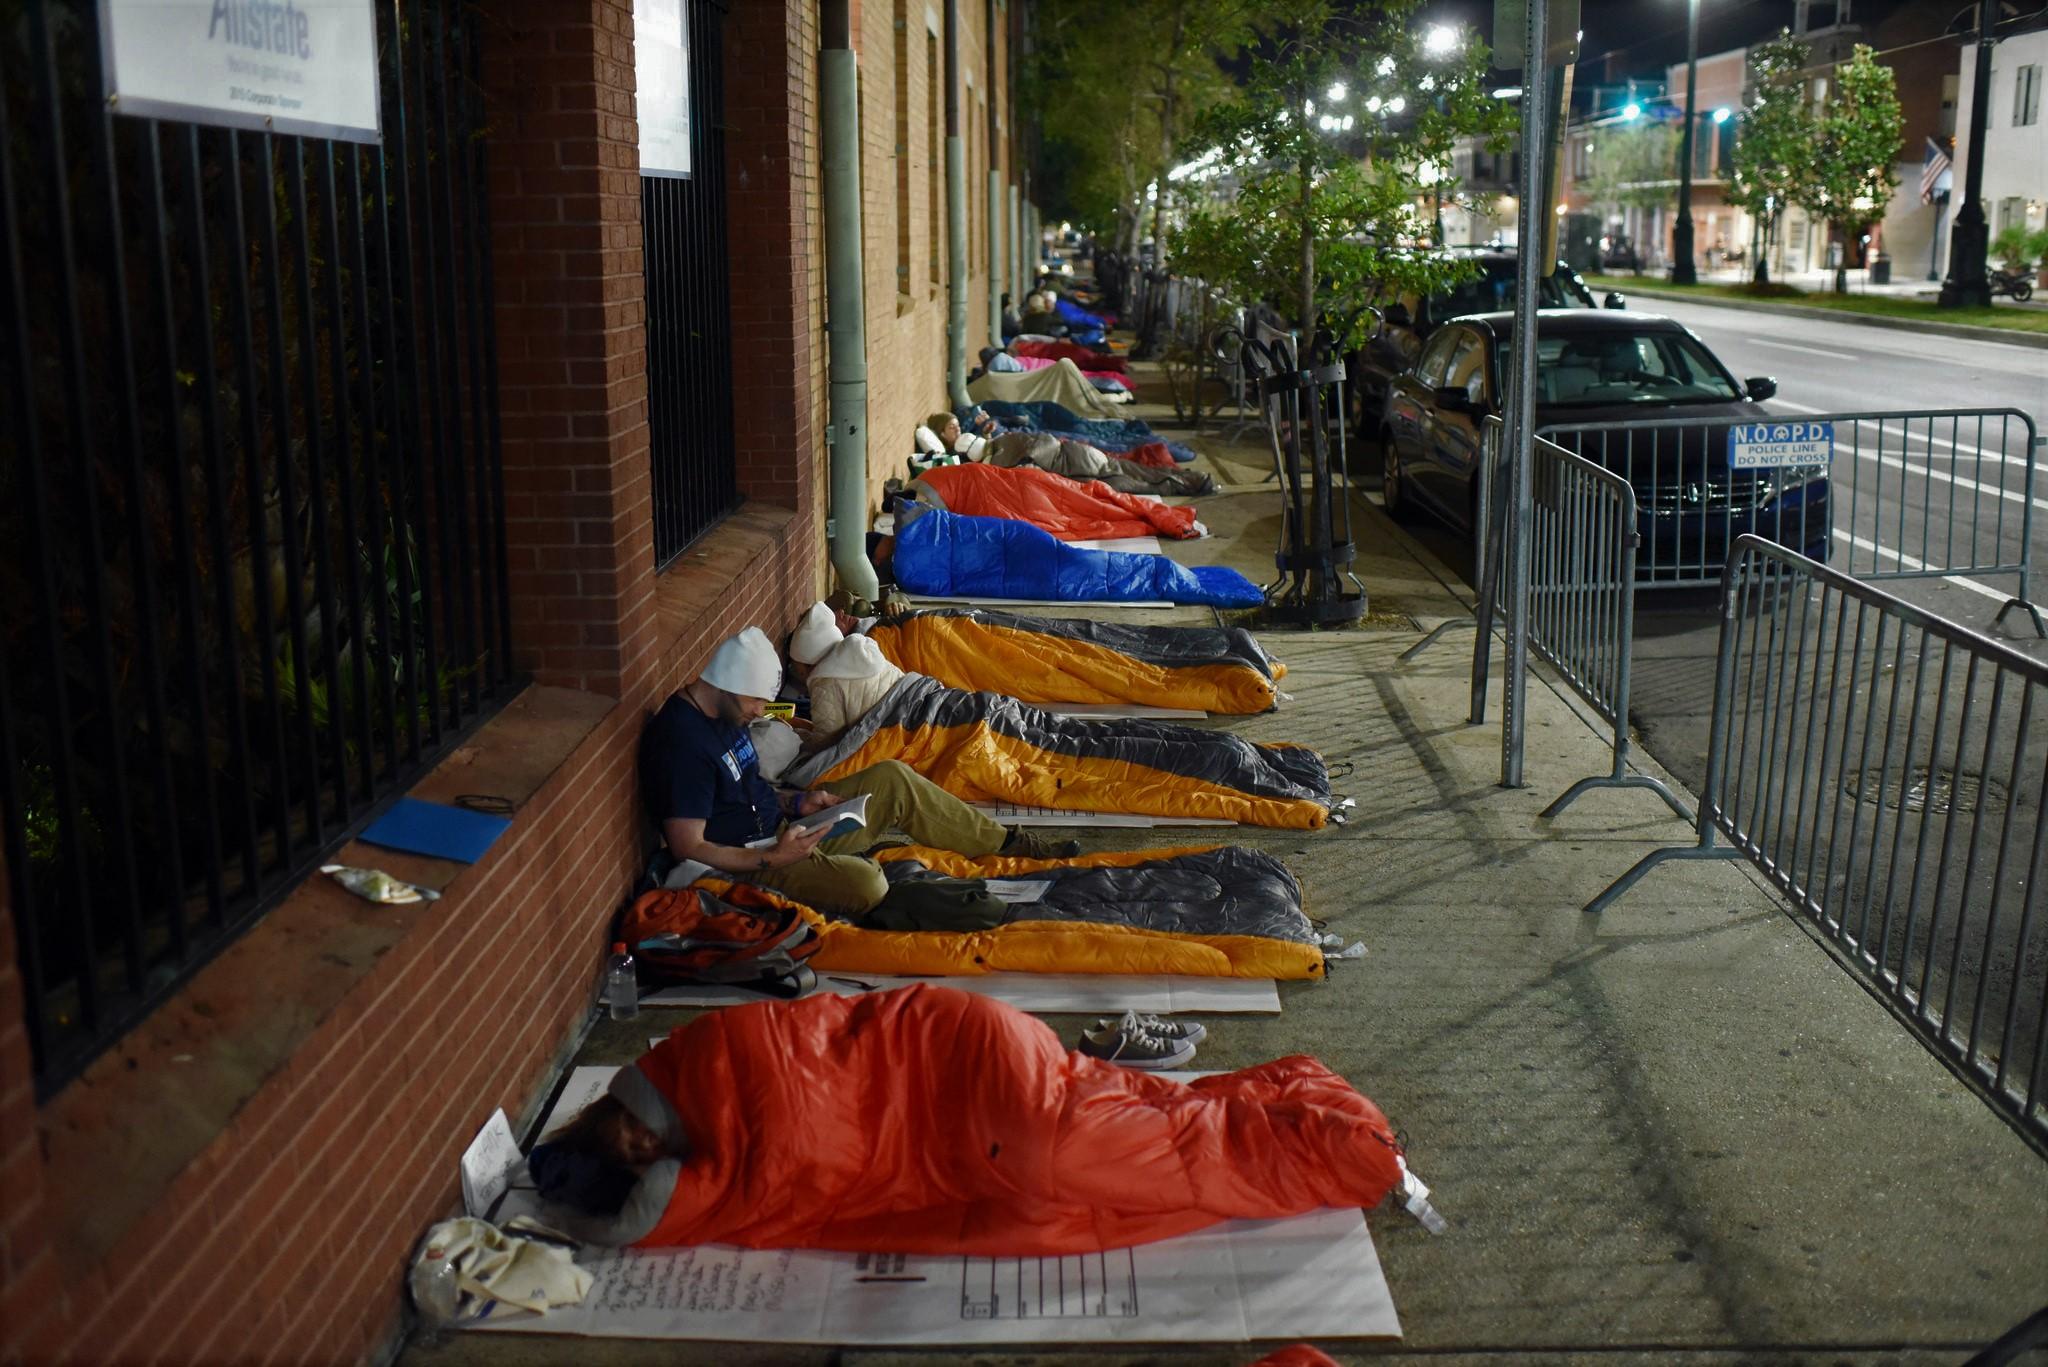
701	781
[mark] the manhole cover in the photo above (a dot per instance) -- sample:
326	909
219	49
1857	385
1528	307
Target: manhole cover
1919	790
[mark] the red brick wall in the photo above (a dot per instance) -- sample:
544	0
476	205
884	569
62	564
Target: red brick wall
285	1236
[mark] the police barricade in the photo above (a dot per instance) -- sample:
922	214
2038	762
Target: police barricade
1896	495
1883	767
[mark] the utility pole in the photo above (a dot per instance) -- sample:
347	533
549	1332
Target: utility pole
1682	271
1969	236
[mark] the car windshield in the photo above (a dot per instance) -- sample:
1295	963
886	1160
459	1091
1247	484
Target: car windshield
1494	292
1622	368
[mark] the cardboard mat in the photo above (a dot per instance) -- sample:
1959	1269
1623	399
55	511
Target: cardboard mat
956	601
1312	1277
1047	816
1100	710
1103	993
1135	545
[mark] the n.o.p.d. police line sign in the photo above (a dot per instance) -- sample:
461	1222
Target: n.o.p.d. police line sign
1768	445
295	66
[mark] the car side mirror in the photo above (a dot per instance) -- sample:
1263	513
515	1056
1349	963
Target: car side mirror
1397	315
1761	387
1615	300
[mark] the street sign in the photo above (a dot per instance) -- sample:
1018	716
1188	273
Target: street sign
1511	17
304	66
1768	445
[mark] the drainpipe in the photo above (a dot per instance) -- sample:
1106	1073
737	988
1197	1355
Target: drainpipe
1018	287
994	214
956	220
846	437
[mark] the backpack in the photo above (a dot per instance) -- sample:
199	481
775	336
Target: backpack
742	936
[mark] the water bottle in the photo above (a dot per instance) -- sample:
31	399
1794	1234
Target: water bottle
434	1290
621	985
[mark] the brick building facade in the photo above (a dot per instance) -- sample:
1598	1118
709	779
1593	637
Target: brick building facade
242	1176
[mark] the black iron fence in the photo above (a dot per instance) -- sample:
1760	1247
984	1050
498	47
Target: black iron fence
689	311
252	543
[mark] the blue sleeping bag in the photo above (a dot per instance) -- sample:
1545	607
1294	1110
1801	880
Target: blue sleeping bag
941	554
1076	316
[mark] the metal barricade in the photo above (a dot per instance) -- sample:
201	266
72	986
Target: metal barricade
1923	494
1583	541
1883	767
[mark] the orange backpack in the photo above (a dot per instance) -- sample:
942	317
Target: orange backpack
743	936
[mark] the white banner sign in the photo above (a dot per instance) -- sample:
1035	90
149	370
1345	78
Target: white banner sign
1768	445
661	69
295	66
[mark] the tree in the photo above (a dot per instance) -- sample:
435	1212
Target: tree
1325	140
1773	161
1855	160
1633	166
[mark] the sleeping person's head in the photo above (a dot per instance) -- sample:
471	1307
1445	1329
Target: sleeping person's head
946	426
593	1162
817	631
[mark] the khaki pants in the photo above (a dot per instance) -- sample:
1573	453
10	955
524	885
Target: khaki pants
837	880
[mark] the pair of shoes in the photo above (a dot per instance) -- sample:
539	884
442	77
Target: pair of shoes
1025	843
1145	1042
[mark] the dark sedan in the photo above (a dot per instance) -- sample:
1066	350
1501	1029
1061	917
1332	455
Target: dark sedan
1597	367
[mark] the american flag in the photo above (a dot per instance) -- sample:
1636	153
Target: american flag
1931	168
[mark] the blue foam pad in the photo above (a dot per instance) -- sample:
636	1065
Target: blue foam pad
435	829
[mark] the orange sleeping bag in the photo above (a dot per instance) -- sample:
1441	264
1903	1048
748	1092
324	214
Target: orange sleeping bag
1071	509
927	1120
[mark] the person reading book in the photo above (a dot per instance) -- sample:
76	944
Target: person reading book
701	782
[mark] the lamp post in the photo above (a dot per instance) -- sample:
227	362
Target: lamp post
1441	41
1682	272
1969	236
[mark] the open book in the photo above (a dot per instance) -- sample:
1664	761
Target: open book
844	819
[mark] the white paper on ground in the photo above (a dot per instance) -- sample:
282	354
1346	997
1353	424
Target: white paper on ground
1121	709
1106	993
1314	1276
963	601
1018	890
1046	816
1136	545
487	1164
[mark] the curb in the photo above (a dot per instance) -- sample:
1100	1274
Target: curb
2013	337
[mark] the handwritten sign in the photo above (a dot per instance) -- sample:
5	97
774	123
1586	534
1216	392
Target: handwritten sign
1768	445
292	66
487	1165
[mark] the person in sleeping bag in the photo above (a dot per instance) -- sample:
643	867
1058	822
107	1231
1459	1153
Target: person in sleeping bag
700	778
933	1121
985	747
1075	460
1038	659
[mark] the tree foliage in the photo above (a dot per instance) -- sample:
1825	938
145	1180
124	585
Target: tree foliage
1633	166
1312	216
1775	142
1854	164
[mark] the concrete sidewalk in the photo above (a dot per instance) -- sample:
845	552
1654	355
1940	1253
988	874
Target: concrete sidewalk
1677	1133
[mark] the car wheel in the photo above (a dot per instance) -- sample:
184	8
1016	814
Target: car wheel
1393	489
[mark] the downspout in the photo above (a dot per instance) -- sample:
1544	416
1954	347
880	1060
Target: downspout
956	221
994	216
846	329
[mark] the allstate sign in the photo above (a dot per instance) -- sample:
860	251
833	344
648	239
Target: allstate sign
1768	445
286	66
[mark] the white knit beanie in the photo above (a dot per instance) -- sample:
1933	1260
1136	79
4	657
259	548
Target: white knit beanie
817	633
856	657
747	665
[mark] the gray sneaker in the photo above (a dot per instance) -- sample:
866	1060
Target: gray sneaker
1194	1032
1133	1043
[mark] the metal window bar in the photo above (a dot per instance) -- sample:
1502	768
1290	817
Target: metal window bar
259	591
689	310
1882	766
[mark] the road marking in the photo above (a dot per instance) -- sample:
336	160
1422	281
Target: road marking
1910	563
1809	350
1935	445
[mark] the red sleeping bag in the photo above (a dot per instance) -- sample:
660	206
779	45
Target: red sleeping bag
928	1120
1071	509
1072	351
1152	453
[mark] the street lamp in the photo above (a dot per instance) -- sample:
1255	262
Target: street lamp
1723	114
1682	270
1441	40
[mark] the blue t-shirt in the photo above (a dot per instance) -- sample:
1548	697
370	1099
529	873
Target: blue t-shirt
696	768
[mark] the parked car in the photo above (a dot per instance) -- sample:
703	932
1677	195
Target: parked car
1408	319
1618	253
1594	367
